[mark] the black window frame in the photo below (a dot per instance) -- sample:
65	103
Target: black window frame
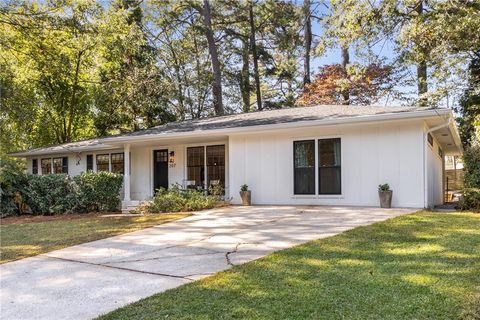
103	155
63	165
50	170
34	166
335	168
89	162
196	166
298	170
113	164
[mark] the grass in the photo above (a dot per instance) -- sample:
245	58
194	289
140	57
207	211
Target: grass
420	266
19	241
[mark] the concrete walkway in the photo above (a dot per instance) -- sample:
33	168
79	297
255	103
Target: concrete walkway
84	281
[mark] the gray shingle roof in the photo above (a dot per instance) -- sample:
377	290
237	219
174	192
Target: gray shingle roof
272	117
251	119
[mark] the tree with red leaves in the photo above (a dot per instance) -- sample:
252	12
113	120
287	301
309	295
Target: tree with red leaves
364	85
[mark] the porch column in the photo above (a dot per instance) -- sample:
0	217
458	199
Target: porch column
126	174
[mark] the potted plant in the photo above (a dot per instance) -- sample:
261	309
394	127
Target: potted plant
246	195
385	195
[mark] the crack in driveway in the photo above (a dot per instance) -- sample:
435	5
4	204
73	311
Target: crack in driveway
119	268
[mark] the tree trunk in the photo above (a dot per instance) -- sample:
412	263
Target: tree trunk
253	45
422	65
212	49
307	41
345	62
245	76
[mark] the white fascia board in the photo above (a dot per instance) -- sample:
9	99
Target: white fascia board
287	125
42	152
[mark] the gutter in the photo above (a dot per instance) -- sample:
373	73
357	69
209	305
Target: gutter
448	123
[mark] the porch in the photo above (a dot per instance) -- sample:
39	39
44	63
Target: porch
190	163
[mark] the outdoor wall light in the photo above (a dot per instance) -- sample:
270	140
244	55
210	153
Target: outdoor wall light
171	158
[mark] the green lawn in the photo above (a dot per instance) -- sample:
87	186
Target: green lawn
18	241
420	266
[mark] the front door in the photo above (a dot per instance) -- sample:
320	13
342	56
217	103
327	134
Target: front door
160	169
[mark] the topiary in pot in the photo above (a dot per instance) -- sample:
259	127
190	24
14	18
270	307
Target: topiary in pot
246	195
385	195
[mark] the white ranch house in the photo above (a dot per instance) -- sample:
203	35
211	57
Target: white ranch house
323	155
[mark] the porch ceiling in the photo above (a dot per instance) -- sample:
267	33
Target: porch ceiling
447	137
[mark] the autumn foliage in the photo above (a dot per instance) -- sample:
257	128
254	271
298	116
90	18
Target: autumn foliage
363	85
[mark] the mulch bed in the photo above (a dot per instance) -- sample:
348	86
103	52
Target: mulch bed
27	218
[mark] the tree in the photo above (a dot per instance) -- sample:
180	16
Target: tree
434	36
347	25
128	97
364	85
212	48
469	108
253	46
307	35
50	52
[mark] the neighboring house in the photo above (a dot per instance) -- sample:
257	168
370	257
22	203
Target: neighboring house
323	155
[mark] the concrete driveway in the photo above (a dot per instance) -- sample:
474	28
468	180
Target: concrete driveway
90	279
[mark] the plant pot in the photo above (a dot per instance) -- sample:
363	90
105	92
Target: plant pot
385	198
246	197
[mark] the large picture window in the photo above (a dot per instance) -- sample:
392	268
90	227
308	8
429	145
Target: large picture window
60	165
46	166
196	165
103	162
216	165
329	166
304	167
117	163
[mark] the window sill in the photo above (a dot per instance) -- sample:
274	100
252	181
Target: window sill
319	196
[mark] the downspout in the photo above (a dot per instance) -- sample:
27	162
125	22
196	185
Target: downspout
425	174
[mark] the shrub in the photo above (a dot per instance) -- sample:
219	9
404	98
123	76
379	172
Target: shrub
12	182
471	161
98	191
176	200
471	193
470	199
57	193
50	194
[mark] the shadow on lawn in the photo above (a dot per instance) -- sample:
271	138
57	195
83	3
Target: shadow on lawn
422	266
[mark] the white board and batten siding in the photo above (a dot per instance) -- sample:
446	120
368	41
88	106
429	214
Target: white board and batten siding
370	155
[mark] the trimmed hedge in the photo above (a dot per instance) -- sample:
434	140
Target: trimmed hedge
98	191
50	194
58	193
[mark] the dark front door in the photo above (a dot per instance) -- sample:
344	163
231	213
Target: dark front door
160	169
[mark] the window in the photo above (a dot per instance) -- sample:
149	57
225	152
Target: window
34	166
46	166
329	166
216	164
196	165
440	152
430	139
89	162
103	162
117	163
60	165
304	167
